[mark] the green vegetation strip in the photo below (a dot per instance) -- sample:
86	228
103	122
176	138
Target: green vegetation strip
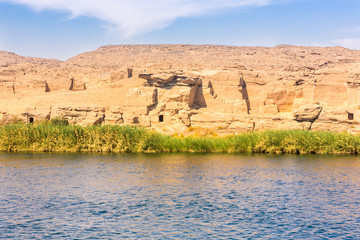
119	139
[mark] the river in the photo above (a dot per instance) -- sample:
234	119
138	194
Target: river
179	196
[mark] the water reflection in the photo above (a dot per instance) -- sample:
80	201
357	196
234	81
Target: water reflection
184	196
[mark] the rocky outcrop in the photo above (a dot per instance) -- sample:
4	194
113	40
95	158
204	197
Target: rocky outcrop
307	113
172	88
80	115
114	116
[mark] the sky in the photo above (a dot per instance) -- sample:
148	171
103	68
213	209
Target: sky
64	28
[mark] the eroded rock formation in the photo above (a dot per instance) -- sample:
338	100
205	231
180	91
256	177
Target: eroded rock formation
174	87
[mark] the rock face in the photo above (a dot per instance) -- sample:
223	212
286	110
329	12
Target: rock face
174	87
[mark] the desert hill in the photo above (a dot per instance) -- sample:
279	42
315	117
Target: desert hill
173	87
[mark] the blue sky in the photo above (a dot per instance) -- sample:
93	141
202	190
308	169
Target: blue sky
64	28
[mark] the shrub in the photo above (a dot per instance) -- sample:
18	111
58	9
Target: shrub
59	121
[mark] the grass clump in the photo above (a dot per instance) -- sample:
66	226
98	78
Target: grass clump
58	136
59	121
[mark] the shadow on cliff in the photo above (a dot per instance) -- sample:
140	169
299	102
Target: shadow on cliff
154	106
244	93
199	98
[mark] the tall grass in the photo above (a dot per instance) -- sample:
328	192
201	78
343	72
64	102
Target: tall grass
73	138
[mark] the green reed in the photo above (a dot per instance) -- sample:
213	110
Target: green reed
50	137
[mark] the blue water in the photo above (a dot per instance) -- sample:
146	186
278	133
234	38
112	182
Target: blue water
179	196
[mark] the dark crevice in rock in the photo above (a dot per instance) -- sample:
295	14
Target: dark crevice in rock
47	89
317	117
244	93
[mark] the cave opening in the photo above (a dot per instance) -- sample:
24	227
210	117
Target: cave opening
350	116
161	118
135	120
130	72
31	120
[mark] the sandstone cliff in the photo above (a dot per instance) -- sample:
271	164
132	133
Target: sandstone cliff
174	87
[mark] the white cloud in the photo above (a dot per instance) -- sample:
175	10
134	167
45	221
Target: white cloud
352	43
131	17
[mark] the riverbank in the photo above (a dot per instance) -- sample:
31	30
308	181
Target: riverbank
128	139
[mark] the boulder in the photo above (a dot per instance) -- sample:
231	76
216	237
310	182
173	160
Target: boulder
308	113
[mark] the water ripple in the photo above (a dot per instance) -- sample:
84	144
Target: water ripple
179	196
